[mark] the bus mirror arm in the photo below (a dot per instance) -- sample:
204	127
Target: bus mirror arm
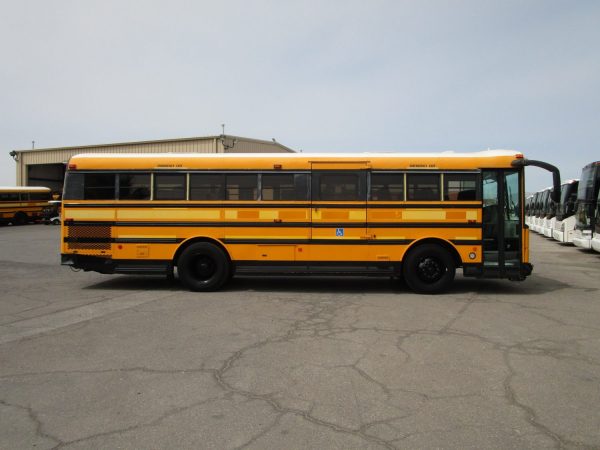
555	194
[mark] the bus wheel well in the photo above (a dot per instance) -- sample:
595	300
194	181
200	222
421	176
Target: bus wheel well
442	243
191	241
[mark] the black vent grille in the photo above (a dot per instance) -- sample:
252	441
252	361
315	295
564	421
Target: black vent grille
95	237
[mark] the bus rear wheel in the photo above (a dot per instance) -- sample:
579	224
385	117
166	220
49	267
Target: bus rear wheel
20	218
429	269
203	267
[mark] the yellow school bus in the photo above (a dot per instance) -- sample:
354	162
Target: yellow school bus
22	204
212	216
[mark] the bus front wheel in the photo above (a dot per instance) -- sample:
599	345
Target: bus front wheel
203	267
429	269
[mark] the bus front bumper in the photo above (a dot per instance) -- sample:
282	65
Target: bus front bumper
518	273
558	235
596	242
582	242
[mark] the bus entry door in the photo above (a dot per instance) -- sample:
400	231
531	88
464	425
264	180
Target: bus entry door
339	212
501	220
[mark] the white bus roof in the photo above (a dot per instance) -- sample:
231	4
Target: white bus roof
24	189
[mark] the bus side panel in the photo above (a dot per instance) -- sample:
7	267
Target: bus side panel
460	227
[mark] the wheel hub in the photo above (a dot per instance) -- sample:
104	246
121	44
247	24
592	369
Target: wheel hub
430	270
205	267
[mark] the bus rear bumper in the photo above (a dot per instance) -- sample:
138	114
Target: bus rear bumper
99	264
512	273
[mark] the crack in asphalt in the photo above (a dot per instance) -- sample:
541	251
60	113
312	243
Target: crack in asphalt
318	319
33	416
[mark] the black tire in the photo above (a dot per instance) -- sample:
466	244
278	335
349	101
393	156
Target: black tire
20	218
203	267
429	269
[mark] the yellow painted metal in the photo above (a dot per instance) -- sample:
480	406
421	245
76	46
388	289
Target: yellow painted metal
357	223
296	161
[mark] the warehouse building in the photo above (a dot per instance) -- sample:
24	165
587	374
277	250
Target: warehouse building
46	166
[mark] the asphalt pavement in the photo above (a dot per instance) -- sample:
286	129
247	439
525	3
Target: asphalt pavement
112	361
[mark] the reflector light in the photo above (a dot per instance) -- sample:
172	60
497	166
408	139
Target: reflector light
72	166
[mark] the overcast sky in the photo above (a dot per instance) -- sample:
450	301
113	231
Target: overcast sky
316	75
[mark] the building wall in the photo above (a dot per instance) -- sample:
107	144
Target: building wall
211	144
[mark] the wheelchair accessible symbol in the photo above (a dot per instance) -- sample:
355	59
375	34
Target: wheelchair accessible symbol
339	232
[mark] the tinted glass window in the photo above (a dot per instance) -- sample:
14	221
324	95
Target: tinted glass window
241	187
282	186
423	186
340	186
585	190
169	186
598	214
134	186
9	197
204	186
89	186
40	196
460	186
73	188
388	186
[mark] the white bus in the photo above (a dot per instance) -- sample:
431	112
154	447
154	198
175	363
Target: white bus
540	214
549	216
528	209
564	226
596	237
587	197
534	209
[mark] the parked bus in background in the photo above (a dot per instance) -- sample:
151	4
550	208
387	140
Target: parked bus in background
536	209
22	204
596	236
549	216
528	206
564	226
587	197
209	216
541	207
533	210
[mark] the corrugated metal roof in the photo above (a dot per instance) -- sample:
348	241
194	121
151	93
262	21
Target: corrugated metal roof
161	141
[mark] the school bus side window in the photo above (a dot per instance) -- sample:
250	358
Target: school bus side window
241	186
423	187
284	186
169	186
134	186
339	186
207	186
387	186
9	197
90	186
460	186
